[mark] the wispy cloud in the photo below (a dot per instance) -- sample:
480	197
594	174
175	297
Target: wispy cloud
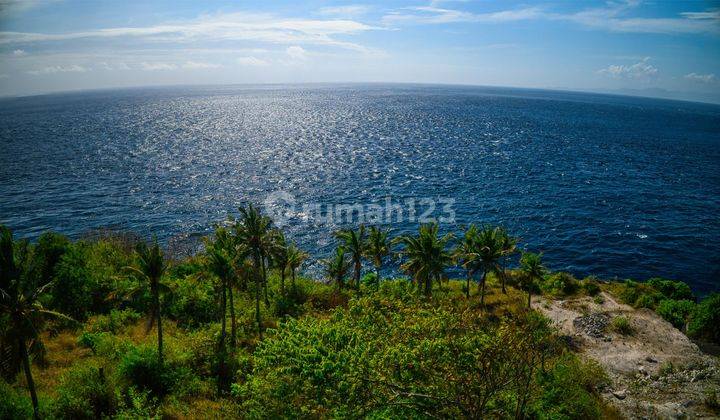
352	10
59	69
251	61
640	70
157	66
613	17
702	78
220	27
197	65
296	53
19	53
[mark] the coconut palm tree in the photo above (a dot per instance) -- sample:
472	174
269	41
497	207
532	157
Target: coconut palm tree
426	255
377	248
253	232
466	256
354	243
336	268
151	266
508	247
220	265
296	257
20	305
532	271
488	250
279	251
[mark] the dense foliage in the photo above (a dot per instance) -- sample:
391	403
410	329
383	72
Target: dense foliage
243	335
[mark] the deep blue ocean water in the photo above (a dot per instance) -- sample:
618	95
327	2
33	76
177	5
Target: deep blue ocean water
605	185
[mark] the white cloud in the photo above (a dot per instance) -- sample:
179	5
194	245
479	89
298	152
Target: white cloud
612	17
19	53
59	69
219	27
702	78
195	65
4	76
296	53
251	61
345	11
640	70
157	66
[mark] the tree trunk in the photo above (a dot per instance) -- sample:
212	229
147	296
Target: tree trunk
428	286
292	273
156	298
529	299
223	334
467	290
377	274
264	280
257	305
482	290
282	280
356	276
503	280
29	378
233	324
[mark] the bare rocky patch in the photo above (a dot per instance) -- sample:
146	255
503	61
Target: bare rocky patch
656	371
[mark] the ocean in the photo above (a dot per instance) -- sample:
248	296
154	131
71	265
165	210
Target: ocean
613	186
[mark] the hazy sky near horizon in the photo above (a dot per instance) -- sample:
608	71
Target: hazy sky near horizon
626	46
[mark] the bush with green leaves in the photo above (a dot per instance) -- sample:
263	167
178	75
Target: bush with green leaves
705	319
567	390
113	322
675	290
85	392
675	312
13	404
192	302
386	358
559	284
621	325
141	369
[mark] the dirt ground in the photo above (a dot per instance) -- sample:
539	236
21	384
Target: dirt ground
655	370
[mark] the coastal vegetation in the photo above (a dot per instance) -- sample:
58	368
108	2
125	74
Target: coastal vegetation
112	327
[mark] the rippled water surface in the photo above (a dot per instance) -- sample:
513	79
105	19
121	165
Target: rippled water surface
611	186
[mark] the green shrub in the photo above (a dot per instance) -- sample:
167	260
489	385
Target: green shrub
13	404
192	302
621	325
675	290
113	322
591	287
369	280
567	390
705	319
649	301
675	312
666	368
560	284
85	393
140	368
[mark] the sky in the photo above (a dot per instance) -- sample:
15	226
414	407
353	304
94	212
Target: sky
647	48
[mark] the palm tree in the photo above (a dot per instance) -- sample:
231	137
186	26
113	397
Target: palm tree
354	243
336	268
377	248
508	247
279	252
488	250
426	255
532	270
296	257
466	256
20	303
253	232
151	266
220	265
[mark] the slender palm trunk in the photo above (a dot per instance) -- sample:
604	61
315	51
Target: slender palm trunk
282	280
503	280
482	290
156	299
265	281
258	286
467	289
377	274
529	299
29	378
292	273
356	276
223	335
428	286
233	324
